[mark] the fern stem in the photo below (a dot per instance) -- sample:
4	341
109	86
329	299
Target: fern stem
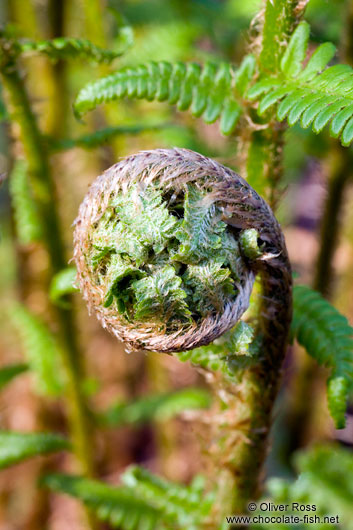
248	404
264	150
251	401
44	193
330	226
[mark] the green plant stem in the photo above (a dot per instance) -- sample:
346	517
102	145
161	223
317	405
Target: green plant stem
243	414
44	193
244	409
330	226
265	146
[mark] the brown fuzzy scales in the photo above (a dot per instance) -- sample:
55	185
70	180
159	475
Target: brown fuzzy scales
173	168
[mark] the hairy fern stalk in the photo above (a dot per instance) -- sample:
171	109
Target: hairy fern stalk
167	246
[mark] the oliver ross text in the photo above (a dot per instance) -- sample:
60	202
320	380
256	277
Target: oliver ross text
294	507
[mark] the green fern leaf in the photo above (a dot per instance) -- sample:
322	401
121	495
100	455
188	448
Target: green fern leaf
187	506
198	232
160	407
41	349
325	480
318	61
161	296
207	91
27	221
248	240
327	336
120	506
9	372
61	285
210	284
313	95
70	48
244	74
15	447
293	57
234	350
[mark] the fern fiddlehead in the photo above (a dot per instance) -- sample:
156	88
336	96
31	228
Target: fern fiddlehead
166	258
159	249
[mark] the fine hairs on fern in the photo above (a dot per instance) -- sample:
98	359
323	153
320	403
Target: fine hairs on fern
161	249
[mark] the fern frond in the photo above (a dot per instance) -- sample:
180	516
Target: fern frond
161	296
160	407
41	349
69	48
61	285
198	233
234	350
27	221
208	91
313	95
327	336
188	506
325	480
120	506
9	372
15	446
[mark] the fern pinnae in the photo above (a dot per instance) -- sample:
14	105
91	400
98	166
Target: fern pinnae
327	337
295	53
10	371
26	215
16	447
318	61
313	95
69	48
119	506
41	349
209	91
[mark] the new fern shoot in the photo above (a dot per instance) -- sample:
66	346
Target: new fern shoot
155	255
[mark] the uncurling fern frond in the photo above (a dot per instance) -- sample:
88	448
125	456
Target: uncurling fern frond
312	95
212	91
15	446
26	216
41	349
233	351
69	48
158	407
119	506
328	337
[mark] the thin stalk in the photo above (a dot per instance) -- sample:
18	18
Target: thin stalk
265	146
243	416
44	193
94	12
330	225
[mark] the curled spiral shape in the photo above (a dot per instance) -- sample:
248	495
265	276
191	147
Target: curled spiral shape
159	253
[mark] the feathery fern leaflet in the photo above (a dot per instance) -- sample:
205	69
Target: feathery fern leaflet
312	95
212	91
327	336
